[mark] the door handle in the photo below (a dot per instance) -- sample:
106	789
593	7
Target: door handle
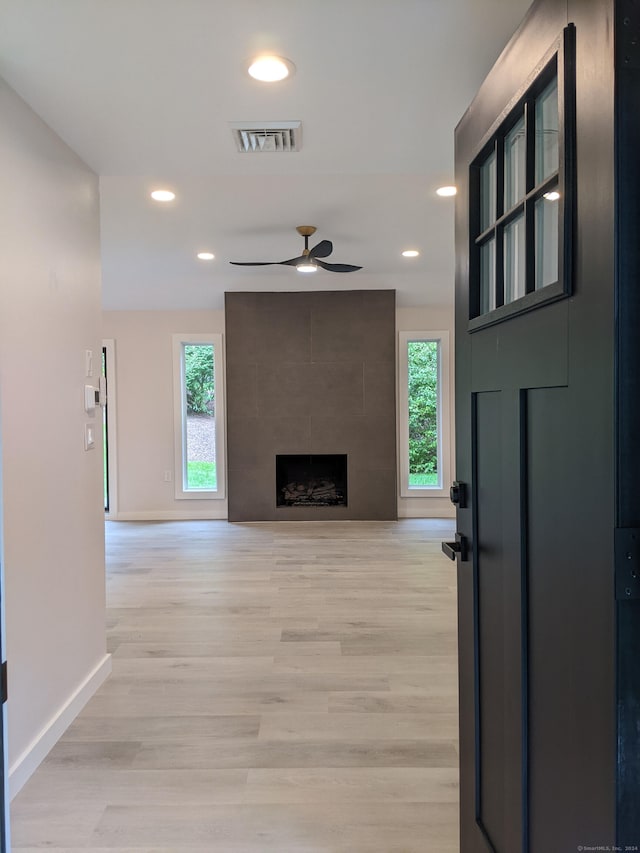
452	549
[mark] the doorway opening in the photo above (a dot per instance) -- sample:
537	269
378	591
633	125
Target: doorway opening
105	436
108	379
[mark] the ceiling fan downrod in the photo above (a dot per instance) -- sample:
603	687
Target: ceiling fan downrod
306	231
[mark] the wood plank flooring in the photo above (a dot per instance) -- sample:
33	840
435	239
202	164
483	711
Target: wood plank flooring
283	687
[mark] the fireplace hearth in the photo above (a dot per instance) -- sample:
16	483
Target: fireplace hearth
311	480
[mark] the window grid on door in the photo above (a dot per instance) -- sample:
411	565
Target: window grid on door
521	198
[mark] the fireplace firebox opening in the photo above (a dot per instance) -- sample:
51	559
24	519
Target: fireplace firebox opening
311	479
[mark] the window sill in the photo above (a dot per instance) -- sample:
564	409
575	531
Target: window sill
550	293
200	496
425	492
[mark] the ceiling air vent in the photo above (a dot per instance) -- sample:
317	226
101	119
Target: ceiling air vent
253	137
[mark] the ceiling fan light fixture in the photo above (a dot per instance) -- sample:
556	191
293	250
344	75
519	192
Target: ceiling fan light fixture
163	195
270	69
206	256
307	266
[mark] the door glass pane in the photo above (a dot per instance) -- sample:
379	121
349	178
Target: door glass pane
199	385
547	132
514	165
488	192
488	276
424	400
546	240
514	260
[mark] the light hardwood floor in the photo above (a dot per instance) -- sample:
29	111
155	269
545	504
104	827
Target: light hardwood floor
283	687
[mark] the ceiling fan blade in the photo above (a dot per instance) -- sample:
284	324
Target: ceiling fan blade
322	250
338	267
292	262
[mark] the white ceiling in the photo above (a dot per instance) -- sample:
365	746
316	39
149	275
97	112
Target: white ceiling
144	90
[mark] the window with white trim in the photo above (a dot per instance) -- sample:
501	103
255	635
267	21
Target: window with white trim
424	414
198	387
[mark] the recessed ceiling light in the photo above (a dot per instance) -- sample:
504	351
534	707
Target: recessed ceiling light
554	195
270	69
446	191
163	195
410	253
206	256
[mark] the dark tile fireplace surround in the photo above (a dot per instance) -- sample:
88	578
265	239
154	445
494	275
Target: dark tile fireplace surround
311	423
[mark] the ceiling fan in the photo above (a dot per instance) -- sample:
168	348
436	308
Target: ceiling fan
309	260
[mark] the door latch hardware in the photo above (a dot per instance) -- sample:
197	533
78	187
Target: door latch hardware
627	561
4	689
458	494
452	549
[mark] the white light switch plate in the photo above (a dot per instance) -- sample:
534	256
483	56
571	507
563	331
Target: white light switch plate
90	399
89	436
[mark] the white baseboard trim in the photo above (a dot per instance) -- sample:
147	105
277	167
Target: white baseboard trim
36	752
429	511
172	515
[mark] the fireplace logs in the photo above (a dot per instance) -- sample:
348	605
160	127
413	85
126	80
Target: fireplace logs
316	492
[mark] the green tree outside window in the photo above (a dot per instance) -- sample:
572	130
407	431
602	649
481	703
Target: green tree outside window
199	379
423	377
